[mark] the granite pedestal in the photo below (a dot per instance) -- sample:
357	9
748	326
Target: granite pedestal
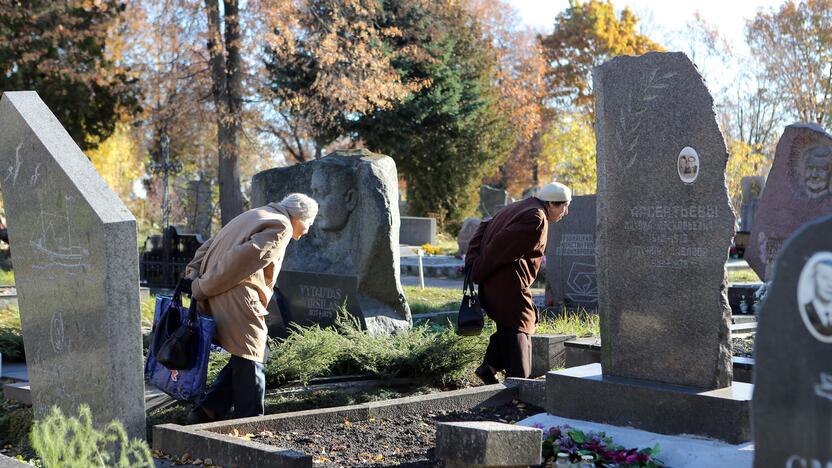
585	393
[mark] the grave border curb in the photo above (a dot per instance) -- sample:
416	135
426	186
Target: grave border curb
208	440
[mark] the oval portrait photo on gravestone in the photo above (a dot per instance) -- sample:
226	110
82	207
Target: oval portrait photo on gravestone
814	296
688	165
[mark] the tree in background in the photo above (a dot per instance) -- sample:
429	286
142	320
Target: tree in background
118	160
794	44
58	49
743	160
568	153
587	34
448	136
519	77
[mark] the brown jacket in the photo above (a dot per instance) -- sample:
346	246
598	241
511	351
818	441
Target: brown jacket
234	274
506	253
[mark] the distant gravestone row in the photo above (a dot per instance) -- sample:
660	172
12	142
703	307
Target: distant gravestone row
73	245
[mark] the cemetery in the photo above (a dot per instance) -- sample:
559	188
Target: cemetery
678	271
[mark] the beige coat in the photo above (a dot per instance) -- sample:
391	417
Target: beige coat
234	274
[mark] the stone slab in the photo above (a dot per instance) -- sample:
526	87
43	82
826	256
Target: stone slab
531	391
752	188
356	232
585	393
417	231
675	451
798	190
548	353
571	280
466	232
793	369
665	223
9	462
488	443
76	268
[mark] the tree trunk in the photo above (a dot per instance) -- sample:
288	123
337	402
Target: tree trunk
226	88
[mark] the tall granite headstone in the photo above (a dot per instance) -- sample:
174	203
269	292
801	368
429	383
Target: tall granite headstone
492	199
798	190
752	189
793	355
665	223
356	232
570	258
73	246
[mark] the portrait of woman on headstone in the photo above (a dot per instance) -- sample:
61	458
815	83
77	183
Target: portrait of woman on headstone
817	170
814	296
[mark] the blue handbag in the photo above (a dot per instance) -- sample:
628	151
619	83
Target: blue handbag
192	337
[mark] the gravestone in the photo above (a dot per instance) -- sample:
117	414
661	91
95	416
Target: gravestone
417	231
466	233
793	369
73	245
198	207
797	191
312	298
492	199
356	232
665	223
570	258
752	188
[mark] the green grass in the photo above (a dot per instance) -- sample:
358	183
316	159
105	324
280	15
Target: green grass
581	324
745	275
423	301
6	277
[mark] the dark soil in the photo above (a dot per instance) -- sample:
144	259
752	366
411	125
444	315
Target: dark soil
407	441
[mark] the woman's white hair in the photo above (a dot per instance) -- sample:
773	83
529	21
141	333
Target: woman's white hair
301	207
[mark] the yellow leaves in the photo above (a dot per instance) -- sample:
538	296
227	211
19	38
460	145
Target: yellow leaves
236	433
743	160
118	161
569	152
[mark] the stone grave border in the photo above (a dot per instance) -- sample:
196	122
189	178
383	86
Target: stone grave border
211	440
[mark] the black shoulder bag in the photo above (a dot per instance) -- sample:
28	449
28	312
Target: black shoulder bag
174	336
471	319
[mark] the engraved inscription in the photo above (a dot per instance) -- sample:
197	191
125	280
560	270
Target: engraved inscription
576	245
322	302
665	242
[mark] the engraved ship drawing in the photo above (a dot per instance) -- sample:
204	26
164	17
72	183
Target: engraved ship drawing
53	248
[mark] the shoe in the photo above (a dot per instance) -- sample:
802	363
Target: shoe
485	374
197	416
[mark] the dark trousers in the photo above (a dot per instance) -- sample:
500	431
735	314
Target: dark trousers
242	383
510	350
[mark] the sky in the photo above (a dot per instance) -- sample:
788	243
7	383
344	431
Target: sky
664	21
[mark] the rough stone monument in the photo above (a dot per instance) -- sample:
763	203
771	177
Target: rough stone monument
752	189
492	199
793	403
797	191
466	233
73	246
570	258
355	235
665	225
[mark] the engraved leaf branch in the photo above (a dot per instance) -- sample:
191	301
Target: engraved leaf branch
629	120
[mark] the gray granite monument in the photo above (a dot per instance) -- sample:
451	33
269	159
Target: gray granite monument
73	246
793	347
466	233
752	189
492	199
797	191
570	258
356	232
665	225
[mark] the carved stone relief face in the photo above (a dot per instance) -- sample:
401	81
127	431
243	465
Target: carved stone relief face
817	168
334	190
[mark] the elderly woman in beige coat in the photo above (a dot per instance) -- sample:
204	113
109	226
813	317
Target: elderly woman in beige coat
232	276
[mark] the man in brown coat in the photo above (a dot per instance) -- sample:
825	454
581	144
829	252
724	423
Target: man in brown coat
233	276
505	255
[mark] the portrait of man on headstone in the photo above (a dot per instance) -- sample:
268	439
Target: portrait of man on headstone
815	296
817	169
